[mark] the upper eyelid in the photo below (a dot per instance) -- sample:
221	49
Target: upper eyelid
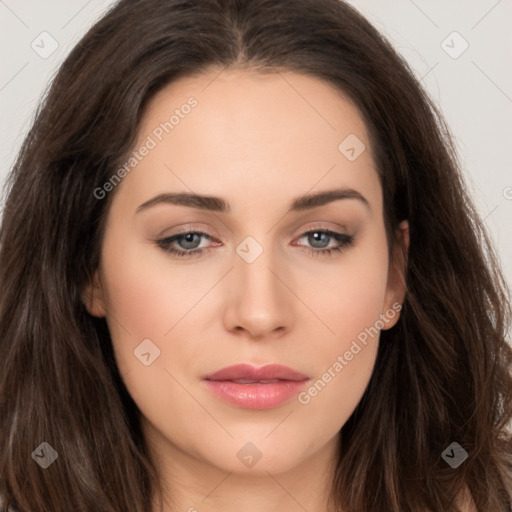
206	232
211	233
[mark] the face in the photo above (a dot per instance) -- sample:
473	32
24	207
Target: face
270	273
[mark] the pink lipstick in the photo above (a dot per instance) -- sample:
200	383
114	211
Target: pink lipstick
250	387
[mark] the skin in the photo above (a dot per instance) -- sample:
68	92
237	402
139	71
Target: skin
257	141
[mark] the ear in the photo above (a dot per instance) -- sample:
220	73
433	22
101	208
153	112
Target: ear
93	297
396	286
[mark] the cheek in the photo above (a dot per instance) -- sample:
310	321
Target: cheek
349	299
338	386
348	295
147	297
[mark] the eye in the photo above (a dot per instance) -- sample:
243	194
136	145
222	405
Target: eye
188	241
320	238
187	244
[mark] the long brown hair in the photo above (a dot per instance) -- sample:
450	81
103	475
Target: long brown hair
442	374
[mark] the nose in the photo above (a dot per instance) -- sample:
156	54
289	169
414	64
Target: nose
260	300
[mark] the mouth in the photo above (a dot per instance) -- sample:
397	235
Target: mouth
249	387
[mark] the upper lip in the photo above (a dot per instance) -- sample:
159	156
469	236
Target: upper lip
247	371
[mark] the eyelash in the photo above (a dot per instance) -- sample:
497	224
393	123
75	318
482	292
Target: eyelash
344	241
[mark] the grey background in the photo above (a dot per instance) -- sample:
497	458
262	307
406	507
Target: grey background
474	90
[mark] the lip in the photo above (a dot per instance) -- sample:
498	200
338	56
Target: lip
271	385
247	371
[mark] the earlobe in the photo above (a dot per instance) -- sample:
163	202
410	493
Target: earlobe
93	297
396	286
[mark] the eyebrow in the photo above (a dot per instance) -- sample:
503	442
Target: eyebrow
217	204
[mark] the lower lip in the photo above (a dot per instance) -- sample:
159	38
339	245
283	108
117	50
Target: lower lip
255	396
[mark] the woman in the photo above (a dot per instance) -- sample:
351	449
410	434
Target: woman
240	270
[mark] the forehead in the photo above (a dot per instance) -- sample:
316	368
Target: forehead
282	132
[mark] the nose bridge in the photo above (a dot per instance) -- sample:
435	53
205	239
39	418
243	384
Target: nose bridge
255	267
258	301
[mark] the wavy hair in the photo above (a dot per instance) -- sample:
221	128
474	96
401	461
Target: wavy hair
442	373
